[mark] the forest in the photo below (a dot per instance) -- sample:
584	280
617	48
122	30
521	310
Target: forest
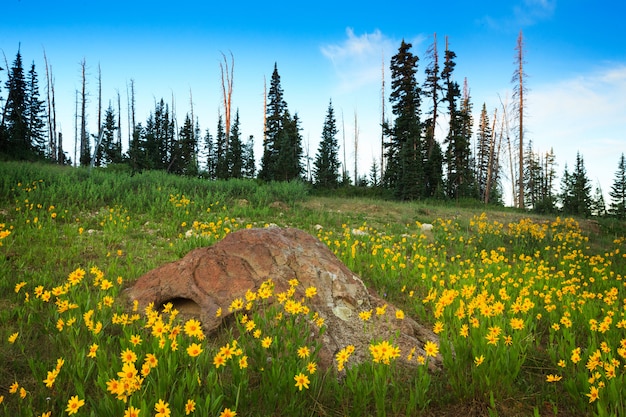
472	162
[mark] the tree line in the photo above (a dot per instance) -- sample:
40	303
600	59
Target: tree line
468	163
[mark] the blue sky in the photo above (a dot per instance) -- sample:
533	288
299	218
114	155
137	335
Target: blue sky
575	62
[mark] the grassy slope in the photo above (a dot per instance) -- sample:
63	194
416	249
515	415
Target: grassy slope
127	225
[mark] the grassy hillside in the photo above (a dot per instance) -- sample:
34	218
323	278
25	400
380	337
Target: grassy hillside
529	309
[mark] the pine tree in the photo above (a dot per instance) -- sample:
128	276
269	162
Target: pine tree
617	207
576	190
404	151
274	120
221	160
598	206
16	142
209	147
235	150
484	137
186	162
249	163
289	150
35	116
110	151
326	164
460	181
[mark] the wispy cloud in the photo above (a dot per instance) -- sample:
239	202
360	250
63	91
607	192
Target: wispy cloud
357	59
586	113
523	14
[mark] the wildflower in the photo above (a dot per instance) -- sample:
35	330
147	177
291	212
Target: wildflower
508	340
218	312
311	367
492	339
381	310
464	330
19	286
151	360
228	413
194	350
593	394
128	356
193	328
162	408
575	355
478	360
310	292
74	404
132	412
14	387
219	360
13	337
553	378
438	328
303	352
561	363
517	323
301	381
237	304
135	339
228	351
365	315
190	407
22	393
52	375
431	349
243	362
266	342
76	276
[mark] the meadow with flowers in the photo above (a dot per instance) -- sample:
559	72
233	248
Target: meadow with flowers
529	311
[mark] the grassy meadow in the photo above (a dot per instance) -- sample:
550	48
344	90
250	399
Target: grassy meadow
530	310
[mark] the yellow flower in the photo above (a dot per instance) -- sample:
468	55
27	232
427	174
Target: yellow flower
74	404
593	394
218	312
303	352
135	339
162	408
52	375
553	378
381	310
310	292
228	413
438	328
219	360
365	315
311	367
431	349
243	362
13	337
194	350
132	412
14	387
478	360
302	381
22	393
190	407
193	328
19	286
464	330
151	360
266	342
128	356
400	314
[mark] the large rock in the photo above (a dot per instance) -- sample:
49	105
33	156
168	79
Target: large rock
210	278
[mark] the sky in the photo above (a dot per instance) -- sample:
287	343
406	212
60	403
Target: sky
575	62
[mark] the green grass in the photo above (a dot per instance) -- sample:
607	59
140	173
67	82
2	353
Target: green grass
527	290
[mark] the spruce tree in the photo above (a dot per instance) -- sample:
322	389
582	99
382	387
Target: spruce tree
326	164
576	190
249	163
221	158
275	116
404	151
35	116
17	142
235	150
110	151
617	207
289	150
186	162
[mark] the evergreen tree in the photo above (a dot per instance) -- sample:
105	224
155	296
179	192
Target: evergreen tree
221	160
326	164
16	139
289	150
598	206
210	155
617	207
404	151
275	117
186	162
576	190
460	181
235	150
483	147
374	171
431	90
35	114
110	150
533	177
137	155
249	163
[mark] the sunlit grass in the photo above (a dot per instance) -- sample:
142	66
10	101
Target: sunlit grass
524	307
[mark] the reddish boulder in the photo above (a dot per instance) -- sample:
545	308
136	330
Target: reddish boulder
212	277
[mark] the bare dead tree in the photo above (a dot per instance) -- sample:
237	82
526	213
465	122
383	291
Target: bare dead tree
84	139
518	93
382	118
356	149
491	156
52	138
227	91
264	114
99	100
343	135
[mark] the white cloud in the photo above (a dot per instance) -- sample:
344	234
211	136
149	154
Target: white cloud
585	114
357	60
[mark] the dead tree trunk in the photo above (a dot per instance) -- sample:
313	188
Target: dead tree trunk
520	89
227	91
52	138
